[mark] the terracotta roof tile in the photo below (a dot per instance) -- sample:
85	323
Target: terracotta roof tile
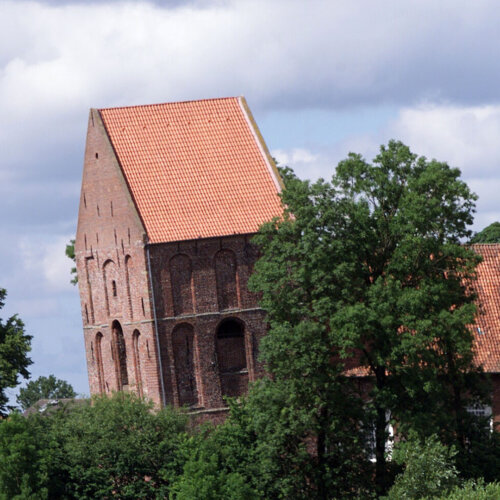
487	327
195	169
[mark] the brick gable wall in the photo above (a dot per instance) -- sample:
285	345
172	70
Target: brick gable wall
198	286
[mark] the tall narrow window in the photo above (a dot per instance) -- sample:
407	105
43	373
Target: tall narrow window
184	360
231	357
226	275
128	261
137	362
98	361
120	356
181	282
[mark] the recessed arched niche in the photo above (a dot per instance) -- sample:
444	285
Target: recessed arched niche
119	355
231	357
183	342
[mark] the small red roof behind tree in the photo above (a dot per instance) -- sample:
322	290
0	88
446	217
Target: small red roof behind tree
195	169
487	326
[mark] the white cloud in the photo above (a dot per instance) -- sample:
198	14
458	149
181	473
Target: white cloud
305	163
44	260
466	137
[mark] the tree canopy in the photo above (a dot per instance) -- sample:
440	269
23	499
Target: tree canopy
44	388
490	234
366	275
14	361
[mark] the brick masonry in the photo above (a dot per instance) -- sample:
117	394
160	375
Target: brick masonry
208	323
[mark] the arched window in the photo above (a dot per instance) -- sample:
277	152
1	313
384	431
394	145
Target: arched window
227	279
120	356
184	361
231	357
128	262
110	278
98	360
181	282
137	362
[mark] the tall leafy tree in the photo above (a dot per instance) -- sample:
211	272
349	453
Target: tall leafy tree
366	276
44	388
14	361
490	234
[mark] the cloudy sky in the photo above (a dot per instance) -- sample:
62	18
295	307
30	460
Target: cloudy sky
322	78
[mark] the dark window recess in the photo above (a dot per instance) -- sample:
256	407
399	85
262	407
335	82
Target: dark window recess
96	156
231	357
113	287
120	357
137	363
183	345
100	368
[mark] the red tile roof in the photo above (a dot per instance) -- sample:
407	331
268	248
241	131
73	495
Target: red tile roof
487	327
195	169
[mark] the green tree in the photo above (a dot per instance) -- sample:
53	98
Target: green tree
474	490
44	388
490	234
22	474
14	361
429	469
120	447
70	253
366	276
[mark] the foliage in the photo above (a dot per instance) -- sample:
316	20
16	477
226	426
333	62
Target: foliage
119	446
70	253
115	447
14	361
213	469
44	388
474	490
429	469
21	472
370	268
480	457
490	234
263	450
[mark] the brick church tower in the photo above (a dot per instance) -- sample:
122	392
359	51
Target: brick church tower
171	196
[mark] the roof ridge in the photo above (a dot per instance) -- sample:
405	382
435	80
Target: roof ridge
171	102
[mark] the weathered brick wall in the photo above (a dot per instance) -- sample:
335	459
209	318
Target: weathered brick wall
112	272
214	275
198	284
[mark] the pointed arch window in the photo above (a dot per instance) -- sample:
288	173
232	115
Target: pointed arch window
137	362
98	361
183	341
181	283
227	279
120	356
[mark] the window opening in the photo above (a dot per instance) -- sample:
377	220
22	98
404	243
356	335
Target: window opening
231	358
